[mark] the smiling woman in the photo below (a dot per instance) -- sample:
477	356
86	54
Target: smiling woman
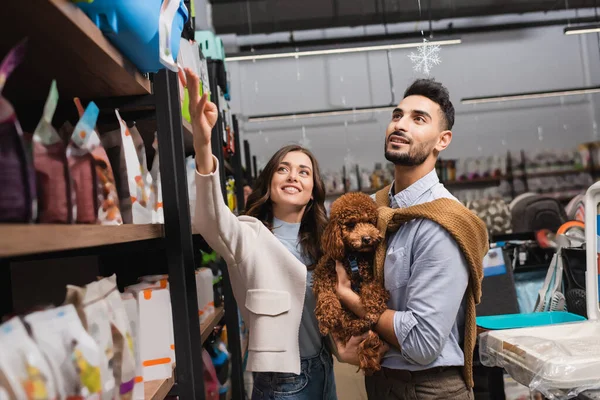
290	189
269	252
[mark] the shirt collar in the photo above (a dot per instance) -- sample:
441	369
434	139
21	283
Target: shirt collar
411	194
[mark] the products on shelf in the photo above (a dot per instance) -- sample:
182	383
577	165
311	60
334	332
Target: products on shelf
131	309
137	175
24	371
18	197
82	166
158	215
157	351
190	169
108	198
124	353
146	32
74	356
472	168
55	197
92	310
204	288
231	197
190	56
546	161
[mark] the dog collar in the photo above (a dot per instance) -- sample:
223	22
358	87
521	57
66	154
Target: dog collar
354	268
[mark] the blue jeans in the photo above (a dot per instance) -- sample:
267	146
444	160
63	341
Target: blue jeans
315	382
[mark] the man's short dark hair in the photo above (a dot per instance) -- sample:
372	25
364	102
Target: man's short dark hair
435	92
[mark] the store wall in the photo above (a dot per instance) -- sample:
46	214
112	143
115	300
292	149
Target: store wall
529	60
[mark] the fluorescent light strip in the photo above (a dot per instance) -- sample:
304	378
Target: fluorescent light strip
529	96
578	30
316	114
340	51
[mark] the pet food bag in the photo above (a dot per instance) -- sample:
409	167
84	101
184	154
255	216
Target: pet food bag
131	308
94	315
137	182
24	372
108	198
73	355
82	167
158	215
17	180
155	330
51	168
124	354
113	145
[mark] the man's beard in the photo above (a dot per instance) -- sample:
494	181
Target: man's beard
415	156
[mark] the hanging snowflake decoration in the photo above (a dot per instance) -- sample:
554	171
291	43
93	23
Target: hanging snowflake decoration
427	56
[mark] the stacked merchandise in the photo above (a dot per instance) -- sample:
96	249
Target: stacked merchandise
86	348
100	344
72	174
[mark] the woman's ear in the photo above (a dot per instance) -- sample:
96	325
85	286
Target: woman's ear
332	243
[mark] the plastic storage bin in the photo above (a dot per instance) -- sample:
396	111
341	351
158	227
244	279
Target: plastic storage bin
132	26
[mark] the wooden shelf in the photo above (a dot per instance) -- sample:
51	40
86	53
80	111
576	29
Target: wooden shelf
64	44
158	389
21	239
208	325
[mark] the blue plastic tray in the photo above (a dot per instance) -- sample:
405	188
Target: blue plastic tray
512	321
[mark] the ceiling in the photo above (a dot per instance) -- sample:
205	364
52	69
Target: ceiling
269	16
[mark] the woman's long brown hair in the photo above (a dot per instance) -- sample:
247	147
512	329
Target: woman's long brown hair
313	223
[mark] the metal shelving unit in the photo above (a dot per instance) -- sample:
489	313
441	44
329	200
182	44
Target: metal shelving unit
88	66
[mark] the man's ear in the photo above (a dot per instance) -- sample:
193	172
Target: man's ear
444	140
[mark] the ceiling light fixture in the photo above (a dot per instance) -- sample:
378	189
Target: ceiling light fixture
581	29
316	114
342	50
530	95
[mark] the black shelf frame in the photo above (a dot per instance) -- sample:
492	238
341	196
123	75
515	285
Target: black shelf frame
231	312
178	247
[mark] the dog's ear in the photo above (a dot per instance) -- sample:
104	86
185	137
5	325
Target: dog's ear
332	243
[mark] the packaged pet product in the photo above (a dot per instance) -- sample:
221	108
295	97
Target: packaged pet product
17	180
205	293
108	198
168	10
73	355
139	192
161	281
94	314
55	203
25	373
190	168
113	145
82	166
157	350
131	308
124	353
158	215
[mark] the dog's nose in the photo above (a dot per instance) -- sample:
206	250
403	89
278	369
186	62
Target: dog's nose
367	239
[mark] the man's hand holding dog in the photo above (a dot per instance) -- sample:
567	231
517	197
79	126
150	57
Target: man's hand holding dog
348	298
344	291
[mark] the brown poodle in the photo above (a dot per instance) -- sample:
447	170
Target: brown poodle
351	237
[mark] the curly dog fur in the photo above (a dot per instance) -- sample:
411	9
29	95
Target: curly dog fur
352	231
